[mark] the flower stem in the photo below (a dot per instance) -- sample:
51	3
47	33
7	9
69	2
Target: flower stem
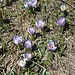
62	29
32	37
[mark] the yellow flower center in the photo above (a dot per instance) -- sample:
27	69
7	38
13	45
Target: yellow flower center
40	24
27	44
22	62
51	46
63	8
27	57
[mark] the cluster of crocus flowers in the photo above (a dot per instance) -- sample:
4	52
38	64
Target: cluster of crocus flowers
17	39
40	24
26	57
28	44
51	45
31	30
62	7
30	3
61	21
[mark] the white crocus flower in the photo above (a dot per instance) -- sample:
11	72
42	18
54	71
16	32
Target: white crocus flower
21	63
1	0
26	5
63	7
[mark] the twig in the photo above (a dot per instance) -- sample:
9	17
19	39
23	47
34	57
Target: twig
37	64
55	2
20	52
68	4
39	52
2	57
44	70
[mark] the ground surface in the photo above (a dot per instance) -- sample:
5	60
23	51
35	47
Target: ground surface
17	19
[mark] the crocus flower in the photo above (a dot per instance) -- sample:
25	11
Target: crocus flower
74	21
34	2
51	45
61	21
31	3
26	5
1	0
17	39
31	30
63	7
40	23
28	44
27	56
21	63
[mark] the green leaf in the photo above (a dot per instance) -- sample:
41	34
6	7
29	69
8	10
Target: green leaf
50	56
43	51
21	4
61	29
0	17
9	73
47	63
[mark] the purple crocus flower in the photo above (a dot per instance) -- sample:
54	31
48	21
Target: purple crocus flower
27	56
17	39
51	45
61	21
74	21
34	2
40	23
31	3
31	30
28	44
